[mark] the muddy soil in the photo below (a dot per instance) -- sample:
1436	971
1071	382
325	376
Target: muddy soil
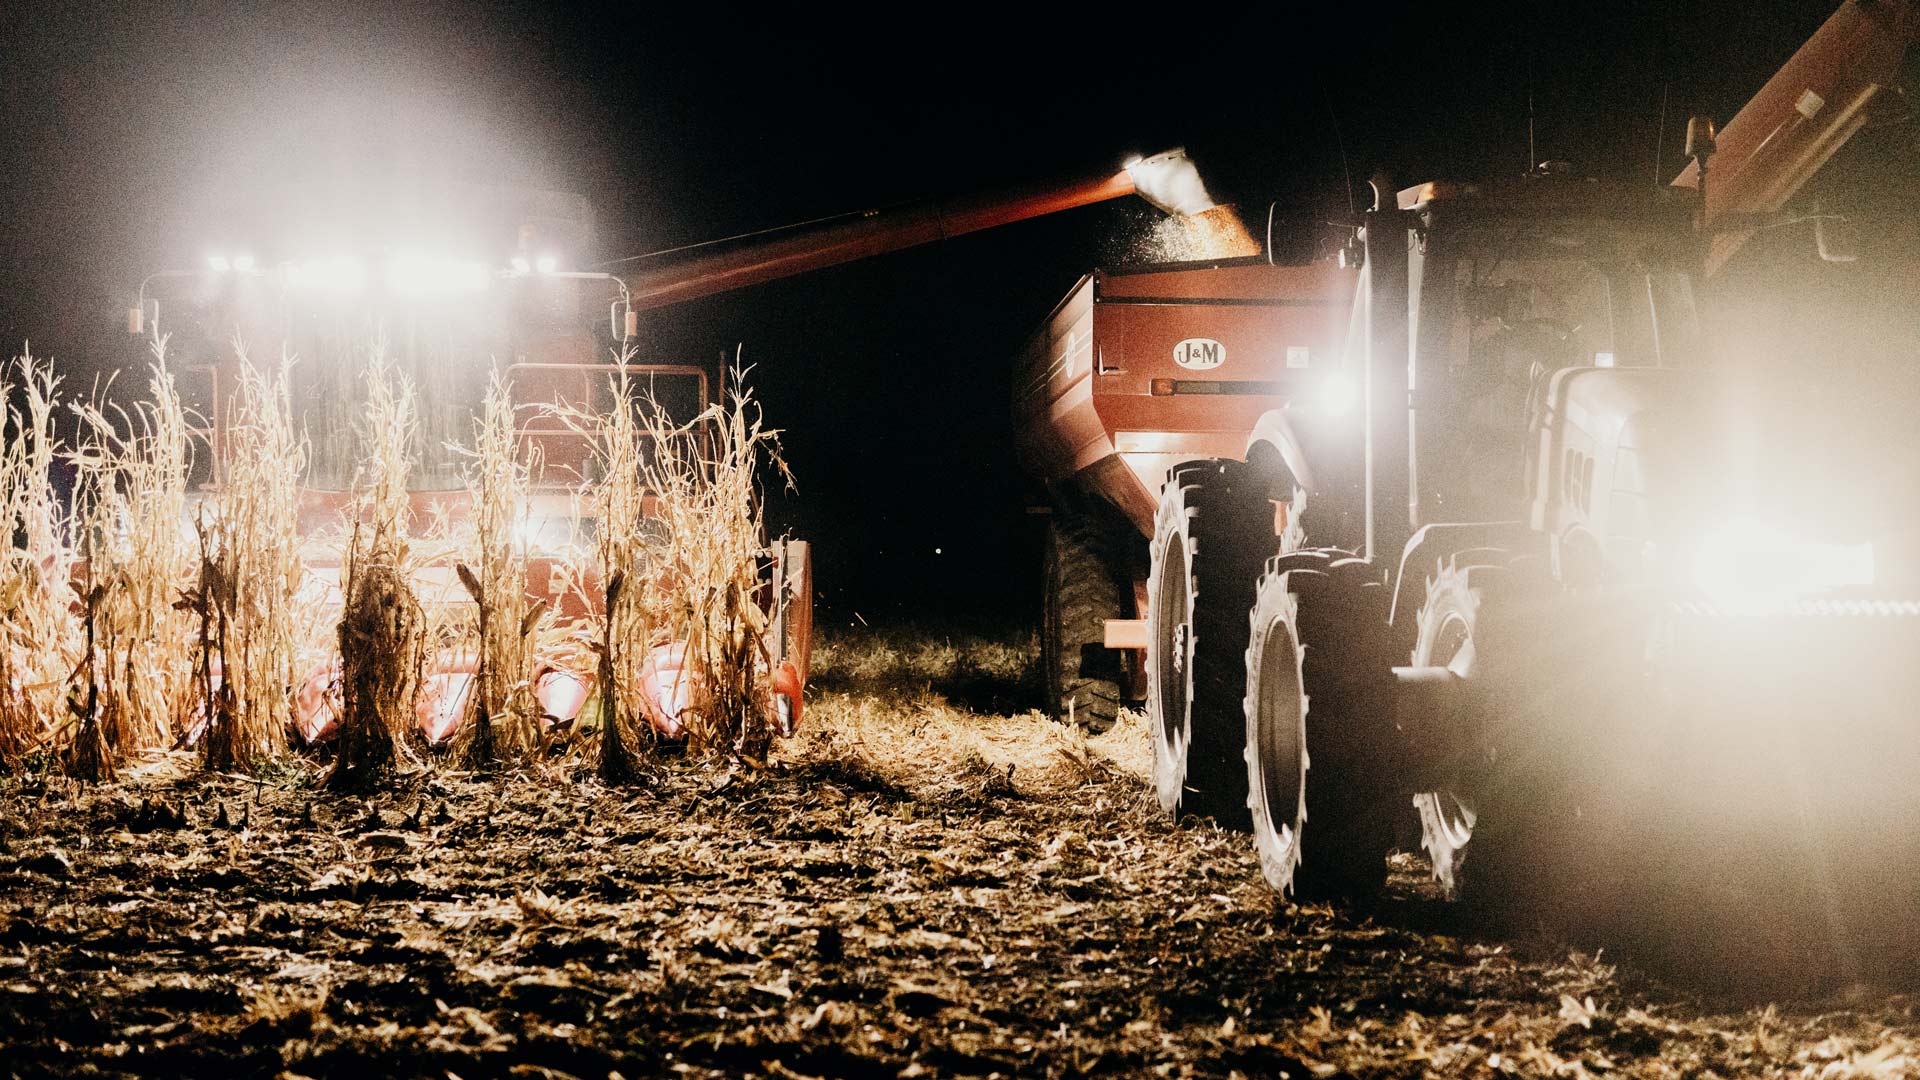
912	889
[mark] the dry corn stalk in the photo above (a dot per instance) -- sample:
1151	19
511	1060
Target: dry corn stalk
619	510
251	573
502	722
680	546
40	638
706	562
383	630
616	500
131	494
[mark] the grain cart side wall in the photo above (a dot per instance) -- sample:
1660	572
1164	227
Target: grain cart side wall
1139	370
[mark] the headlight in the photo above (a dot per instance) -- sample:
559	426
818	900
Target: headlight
1749	566
1337	394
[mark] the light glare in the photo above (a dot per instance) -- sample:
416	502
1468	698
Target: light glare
548	264
422	275
1337	395
341	274
1750	567
219	263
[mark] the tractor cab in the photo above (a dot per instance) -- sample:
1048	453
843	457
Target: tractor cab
1510	286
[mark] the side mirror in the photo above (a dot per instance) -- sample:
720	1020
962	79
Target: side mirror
1837	238
137	316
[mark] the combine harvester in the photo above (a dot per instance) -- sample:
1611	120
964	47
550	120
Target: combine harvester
559	330
444	322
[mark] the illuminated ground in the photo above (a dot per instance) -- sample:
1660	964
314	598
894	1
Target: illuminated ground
890	900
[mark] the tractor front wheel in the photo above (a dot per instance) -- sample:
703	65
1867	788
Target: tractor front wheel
1319	680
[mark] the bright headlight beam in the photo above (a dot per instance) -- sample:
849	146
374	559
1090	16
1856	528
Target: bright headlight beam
1747	566
340	274
1337	395
423	275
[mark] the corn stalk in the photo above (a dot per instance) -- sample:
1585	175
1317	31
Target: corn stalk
383	630
502	722
131	488
40	638
706	561
251	574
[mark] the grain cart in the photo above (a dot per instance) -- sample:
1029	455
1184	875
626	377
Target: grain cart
1136	371
1612	611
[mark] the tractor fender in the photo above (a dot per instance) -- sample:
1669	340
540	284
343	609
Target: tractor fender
1274	434
1432	545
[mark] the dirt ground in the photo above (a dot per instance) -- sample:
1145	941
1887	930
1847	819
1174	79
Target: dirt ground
930	881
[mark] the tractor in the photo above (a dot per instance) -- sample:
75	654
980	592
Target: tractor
1603	607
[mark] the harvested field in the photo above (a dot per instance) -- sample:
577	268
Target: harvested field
930	881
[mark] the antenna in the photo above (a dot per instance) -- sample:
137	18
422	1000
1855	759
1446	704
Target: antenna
1340	141
1532	158
1660	135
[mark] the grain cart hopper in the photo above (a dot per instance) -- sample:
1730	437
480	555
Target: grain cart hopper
1628	627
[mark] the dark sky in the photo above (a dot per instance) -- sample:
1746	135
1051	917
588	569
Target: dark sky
133	136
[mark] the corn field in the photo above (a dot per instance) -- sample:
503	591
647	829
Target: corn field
142	614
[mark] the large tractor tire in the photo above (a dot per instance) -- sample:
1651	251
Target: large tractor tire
1317	704
1083	589
1446	638
1517	838
1213	532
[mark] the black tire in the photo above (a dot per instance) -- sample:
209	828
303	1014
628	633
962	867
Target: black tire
1530	784
1082	590
1445	637
1317	705
1213	531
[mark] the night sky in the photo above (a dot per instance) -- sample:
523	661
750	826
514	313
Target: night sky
132	137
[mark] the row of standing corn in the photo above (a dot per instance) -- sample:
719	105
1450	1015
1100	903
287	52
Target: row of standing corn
139	615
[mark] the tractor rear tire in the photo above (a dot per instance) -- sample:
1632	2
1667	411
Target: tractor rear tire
1213	532
1318	697
1082	590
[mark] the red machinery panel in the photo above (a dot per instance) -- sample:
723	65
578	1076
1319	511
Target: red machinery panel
1138	370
